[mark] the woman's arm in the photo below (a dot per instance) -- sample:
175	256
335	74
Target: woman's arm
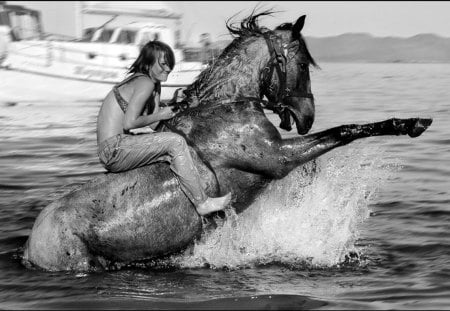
133	116
157	101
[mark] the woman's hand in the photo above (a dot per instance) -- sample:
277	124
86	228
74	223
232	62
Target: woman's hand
142	130
166	113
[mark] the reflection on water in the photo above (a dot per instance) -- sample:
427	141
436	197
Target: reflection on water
371	230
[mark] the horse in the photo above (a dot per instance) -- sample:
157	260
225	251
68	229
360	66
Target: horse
288	95
140	215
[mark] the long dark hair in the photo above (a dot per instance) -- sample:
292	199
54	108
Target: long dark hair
149	55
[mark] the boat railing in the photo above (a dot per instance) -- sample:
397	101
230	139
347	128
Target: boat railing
26	48
97	55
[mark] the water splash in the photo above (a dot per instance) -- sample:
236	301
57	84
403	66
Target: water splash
302	219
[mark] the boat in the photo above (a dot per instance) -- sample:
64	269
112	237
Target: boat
97	60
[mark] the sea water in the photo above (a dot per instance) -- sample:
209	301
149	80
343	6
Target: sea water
368	230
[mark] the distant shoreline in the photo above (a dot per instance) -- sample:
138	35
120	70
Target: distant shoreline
381	62
365	48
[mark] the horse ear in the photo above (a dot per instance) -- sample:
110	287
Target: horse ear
298	27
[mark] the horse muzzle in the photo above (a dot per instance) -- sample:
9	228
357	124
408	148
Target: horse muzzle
300	110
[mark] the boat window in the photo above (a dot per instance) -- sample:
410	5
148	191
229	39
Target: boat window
88	33
24	23
126	37
105	36
148	36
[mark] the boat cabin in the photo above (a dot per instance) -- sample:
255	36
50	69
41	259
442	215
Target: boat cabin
135	33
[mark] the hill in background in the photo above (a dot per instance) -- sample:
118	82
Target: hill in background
423	48
361	47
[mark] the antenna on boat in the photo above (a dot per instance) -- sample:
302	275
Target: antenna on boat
107	22
189	33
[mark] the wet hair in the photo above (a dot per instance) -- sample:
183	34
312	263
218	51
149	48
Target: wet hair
149	55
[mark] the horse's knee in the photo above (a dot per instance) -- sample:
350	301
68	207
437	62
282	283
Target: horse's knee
350	132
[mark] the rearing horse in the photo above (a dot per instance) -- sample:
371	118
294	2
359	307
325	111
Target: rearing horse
262	70
143	214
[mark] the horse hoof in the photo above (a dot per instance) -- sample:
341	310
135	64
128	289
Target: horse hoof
419	127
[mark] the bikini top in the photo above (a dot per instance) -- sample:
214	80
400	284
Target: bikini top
149	105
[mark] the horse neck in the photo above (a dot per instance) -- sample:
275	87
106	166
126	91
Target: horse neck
235	74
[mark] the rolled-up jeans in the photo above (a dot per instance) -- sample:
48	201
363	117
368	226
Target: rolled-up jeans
124	152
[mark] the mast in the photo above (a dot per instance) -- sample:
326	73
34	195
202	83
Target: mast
79	19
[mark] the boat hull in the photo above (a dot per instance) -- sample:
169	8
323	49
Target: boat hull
91	74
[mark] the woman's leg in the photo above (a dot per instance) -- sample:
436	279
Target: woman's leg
183	166
125	152
131	151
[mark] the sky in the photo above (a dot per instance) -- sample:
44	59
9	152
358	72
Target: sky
324	18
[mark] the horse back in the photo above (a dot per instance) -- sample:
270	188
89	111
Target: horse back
227	139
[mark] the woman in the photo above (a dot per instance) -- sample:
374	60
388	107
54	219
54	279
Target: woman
133	105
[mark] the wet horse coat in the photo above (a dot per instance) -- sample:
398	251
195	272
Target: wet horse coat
143	214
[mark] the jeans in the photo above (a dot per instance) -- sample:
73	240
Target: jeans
124	152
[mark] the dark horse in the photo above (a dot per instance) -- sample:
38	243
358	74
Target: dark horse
142	214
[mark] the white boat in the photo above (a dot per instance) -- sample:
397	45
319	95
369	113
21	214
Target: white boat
97	61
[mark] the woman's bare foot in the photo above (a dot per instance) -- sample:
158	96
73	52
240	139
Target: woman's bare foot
213	204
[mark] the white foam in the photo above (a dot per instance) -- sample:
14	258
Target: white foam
299	219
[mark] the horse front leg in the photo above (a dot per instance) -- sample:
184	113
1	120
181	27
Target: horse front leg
275	159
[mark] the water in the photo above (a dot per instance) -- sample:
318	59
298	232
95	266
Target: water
369	231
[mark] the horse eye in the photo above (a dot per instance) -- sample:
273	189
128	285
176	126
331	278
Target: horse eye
303	66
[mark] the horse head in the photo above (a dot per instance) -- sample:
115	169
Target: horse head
261	62
286	80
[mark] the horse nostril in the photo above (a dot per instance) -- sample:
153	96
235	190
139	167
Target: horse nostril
309	123
306	126
302	131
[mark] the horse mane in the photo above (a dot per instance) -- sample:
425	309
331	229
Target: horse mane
249	25
247	28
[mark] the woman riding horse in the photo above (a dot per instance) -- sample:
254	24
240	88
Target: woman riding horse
142	214
133	104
